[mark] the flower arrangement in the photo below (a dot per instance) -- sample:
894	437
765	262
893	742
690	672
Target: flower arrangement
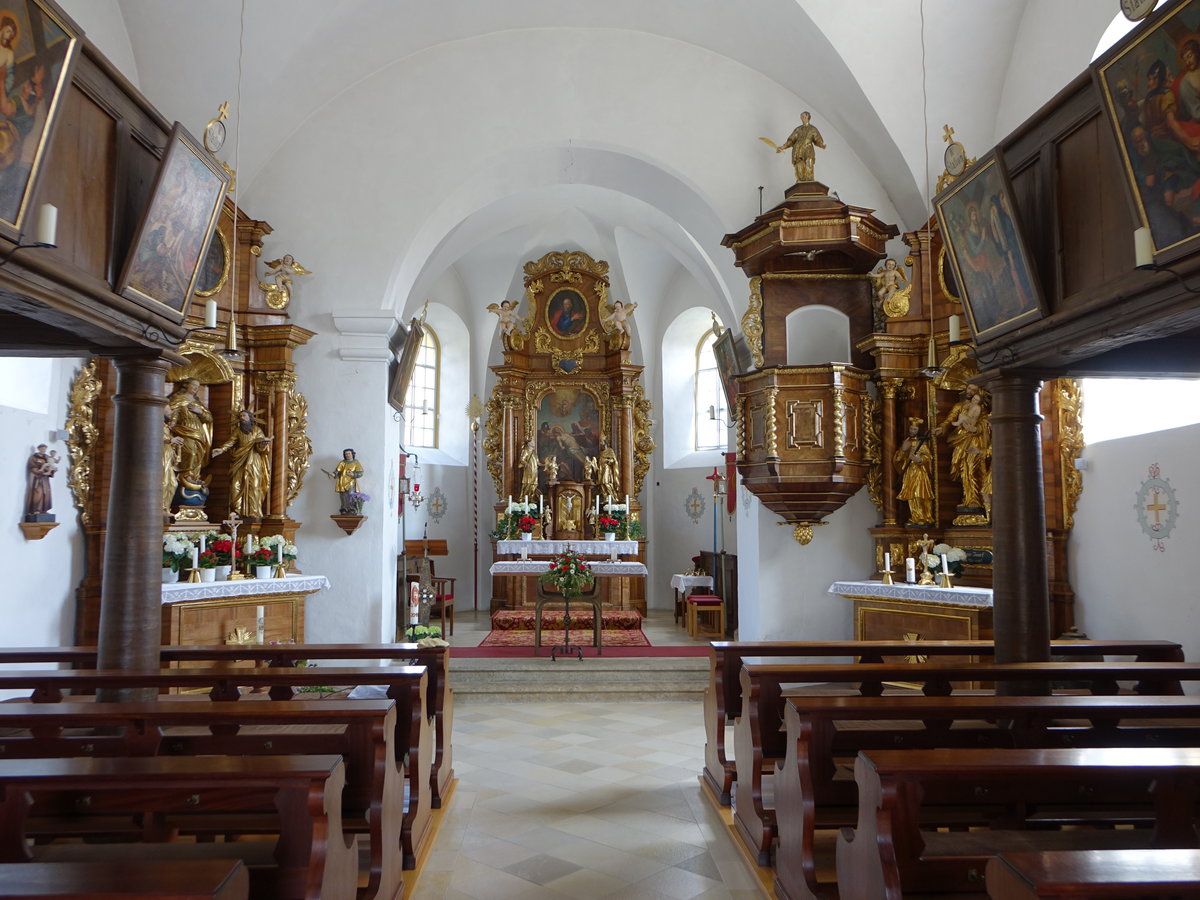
224	551
526	523
263	556
609	524
519	518
208	560
275	542
177	552
356	499
956	557
568	572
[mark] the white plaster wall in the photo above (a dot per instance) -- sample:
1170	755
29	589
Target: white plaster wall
675	537
37	605
1125	588
102	23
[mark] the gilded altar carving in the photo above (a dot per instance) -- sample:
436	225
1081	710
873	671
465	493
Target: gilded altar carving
1070	443
839	422
299	446
872	421
752	327
271	382
564	266
772	426
544	342
83	436
493	441
643	443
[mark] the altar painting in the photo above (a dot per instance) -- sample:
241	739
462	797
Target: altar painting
569	430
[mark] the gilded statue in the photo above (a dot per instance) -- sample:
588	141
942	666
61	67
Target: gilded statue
191	421
279	294
914	460
550	468
345	477
609	478
250	469
170	462
41	466
970	445
591	468
889	282
568	513
529	471
803	140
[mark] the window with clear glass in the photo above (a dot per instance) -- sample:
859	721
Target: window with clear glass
421	404
710	433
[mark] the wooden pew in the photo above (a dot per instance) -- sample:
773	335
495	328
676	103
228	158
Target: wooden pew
723	698
146	879
809	795
889	855
312	858
372	802
1094	874
439	699
406	685
759	739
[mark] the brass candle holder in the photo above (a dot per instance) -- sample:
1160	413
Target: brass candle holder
280	571
885	576
194	578
944	580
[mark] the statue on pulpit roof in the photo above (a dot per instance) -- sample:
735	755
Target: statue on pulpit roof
914	460
803	140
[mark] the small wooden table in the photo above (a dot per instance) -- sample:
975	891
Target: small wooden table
684	585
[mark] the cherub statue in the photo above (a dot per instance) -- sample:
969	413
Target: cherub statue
889	284
279	294
615	317
550	468
507	312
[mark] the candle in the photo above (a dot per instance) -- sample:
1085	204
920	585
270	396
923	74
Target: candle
260	623
945	565
540	504
210	313
510	499
525	503
47	227
910	570
597	504
203	538
626	503
279	554
1143	247
195	558
414	603
955	329
887	562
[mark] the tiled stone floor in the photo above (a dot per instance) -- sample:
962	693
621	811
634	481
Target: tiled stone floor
581	800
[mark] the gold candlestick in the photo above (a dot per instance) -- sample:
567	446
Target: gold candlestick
886	576
194	577
944	580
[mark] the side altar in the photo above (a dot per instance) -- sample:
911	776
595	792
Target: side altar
248	611
568	428
911	612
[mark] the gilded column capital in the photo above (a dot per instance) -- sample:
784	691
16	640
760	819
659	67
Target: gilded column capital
890	388
275	381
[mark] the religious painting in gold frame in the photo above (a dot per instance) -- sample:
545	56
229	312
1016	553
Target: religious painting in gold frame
164	261
567	313
214	271
1150	83
569	428
993	268
38	47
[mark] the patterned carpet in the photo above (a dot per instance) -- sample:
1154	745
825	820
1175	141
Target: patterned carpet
610	637
552	617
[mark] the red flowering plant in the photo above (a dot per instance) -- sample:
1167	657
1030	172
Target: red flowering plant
568	572
263	556
526	523
224	551
208	560
609	523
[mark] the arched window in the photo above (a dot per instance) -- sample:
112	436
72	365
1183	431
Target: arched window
421	404
709	431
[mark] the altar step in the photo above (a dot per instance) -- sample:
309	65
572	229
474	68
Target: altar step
590	679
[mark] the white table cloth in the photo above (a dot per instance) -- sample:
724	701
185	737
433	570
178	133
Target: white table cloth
245	587
960	596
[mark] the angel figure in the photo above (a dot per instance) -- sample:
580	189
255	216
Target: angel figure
550	468
591	468
891	290
615	318
279	294
507	311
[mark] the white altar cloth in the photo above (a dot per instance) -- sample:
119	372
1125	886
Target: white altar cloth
246	587
537	566
875	590
683	583
553	548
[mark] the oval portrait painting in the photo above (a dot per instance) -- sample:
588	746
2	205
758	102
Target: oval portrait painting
567	313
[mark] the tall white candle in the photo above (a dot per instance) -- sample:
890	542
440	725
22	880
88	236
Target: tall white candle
47	228
525	502
279	554
249	545
510	499
203	540
955	329
195	558
597	504
887	562
1143	247
910	570
210	313
540	504
626	503
945	565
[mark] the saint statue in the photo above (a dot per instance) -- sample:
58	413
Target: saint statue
250	469
914	459
170	461
41	467
345	477
609	477
970	445
191	421
529	470
803	140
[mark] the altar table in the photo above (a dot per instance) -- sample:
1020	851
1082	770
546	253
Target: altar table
554	548
221	612
682	585
898	612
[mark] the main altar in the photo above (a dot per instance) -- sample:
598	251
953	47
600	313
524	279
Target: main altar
568	431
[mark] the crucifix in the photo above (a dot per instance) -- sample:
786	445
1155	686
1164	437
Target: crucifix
233	523
925	545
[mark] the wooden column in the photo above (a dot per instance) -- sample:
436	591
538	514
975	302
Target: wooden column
131	595
888	388
1021	594
278	384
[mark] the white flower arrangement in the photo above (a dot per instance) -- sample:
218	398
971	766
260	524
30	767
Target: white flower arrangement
177	549
615	508
956	557
274	541
527	509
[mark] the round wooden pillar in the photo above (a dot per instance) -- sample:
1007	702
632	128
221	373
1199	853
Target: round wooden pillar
888	388
1021	594
131	595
